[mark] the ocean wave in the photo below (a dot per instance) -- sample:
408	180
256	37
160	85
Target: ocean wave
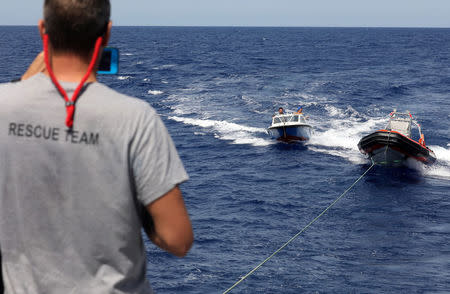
397	89
123	77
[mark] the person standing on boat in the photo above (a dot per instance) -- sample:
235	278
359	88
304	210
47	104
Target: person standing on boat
299	110
81	177
280	110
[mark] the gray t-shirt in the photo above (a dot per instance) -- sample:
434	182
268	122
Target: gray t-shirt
70	202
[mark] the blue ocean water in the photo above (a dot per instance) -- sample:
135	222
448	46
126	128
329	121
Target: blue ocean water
216	89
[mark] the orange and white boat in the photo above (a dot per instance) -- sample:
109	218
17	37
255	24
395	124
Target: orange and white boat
393	145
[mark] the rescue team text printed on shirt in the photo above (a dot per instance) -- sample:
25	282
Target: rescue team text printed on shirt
53	133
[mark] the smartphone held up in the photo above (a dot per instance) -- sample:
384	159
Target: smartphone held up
109	61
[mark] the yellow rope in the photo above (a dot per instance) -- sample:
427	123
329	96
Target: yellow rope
298	234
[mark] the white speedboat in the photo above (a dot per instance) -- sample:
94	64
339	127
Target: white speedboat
290	127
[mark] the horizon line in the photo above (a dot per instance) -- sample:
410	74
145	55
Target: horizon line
256	26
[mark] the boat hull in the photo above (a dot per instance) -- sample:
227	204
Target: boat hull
291	133
393	149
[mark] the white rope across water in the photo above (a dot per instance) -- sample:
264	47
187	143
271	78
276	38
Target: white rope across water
298	234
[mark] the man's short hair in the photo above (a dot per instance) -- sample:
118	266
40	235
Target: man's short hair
74	25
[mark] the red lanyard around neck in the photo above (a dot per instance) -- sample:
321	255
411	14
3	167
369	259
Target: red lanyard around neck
70	103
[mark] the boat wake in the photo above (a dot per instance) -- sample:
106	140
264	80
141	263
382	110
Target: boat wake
224	118
339	133
224	130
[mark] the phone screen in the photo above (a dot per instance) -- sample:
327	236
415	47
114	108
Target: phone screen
109	61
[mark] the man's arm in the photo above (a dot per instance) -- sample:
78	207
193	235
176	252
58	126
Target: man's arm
1	278
169	226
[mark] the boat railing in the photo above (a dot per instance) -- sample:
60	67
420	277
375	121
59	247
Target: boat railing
401	122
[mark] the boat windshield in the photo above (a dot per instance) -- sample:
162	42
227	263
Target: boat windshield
278	120
401	125
289	118
282	119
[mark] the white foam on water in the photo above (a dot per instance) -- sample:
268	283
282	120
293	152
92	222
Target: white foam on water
127	54
350	155
442	153
333	111
344	133
250	101
437	171
123	78
224	130
165	66
185	105
155	92
349	112
340	134
179	111
441	168
309	104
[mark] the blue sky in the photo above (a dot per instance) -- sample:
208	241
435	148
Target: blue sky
340	13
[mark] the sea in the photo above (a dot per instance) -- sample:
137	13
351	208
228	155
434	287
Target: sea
216	89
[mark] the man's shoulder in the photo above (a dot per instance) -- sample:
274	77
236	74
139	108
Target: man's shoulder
125	106
104	94
9	85
30	86
12	90
113	94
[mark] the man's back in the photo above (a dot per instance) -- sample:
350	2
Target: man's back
71	200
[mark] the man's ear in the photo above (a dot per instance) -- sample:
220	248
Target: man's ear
107	34
41	27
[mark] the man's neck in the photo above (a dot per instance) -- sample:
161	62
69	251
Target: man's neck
70	68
